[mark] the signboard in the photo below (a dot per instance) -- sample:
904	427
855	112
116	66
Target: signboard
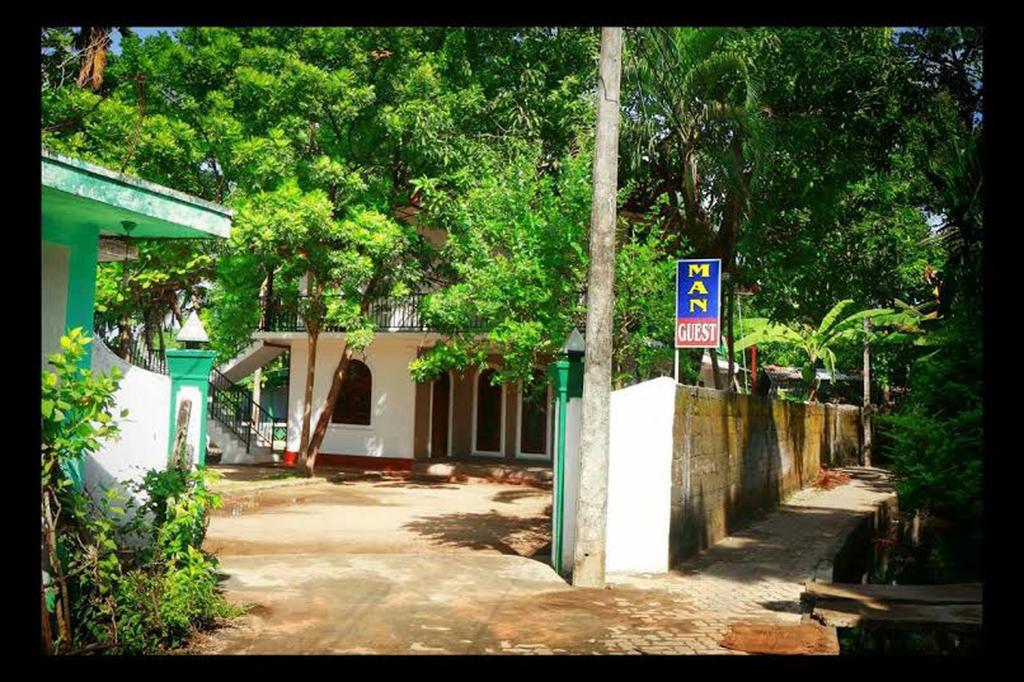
698	302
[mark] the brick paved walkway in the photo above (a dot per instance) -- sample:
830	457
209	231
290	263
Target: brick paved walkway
472	603
754	575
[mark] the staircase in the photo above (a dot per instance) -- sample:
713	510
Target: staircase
242	430
249	359
233	449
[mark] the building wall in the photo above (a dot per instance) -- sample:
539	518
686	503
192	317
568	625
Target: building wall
688	465
736	454
81	244
401	418
54	297
392	422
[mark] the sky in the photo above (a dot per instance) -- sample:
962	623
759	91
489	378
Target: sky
141	31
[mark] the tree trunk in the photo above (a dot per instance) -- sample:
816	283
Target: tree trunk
313	334
313	449
124	338
866	410
266	299
307	403
592	502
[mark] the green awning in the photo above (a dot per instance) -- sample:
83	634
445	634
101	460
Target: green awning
81	194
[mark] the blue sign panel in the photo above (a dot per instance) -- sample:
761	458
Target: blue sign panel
698	302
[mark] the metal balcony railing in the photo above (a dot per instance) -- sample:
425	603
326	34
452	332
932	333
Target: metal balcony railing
390	313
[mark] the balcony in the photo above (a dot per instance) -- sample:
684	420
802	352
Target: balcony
389	314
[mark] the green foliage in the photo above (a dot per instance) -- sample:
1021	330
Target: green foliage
690	129
817	342
144	585
76	406
119	576
934	440
643	326
516	260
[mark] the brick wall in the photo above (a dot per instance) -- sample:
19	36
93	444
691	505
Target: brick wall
733	455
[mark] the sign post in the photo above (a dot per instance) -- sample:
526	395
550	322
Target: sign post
698	304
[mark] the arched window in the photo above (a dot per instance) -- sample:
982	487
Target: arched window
356	399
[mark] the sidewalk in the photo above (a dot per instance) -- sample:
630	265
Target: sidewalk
474	602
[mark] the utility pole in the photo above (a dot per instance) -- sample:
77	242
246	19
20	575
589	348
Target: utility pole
866	410
592	502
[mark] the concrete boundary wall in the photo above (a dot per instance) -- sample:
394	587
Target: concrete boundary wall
735	455
639	477
144	440
689	465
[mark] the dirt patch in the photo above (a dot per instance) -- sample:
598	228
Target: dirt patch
575	619
779	638
252	501
367	514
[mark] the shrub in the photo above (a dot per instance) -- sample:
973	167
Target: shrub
934	440
123	572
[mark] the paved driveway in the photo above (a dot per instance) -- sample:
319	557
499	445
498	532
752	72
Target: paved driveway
350	514
386	566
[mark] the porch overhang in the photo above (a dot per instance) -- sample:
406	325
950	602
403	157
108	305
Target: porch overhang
81	195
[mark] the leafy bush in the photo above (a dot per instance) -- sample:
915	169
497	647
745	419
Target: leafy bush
934	440
123	570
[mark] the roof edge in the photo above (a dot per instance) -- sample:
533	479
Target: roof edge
137	183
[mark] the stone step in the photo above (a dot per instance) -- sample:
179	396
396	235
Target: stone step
232	449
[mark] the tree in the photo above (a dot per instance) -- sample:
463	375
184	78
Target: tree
592	502
291	232
76	417
817	343
933	439
692	127
371	257
362	114
836	208
511	270
644	306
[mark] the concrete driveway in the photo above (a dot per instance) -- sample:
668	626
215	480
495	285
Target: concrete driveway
368	514
373	564
392	566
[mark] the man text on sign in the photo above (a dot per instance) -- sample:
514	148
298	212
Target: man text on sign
698	301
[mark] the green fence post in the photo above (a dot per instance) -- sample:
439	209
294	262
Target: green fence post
190	369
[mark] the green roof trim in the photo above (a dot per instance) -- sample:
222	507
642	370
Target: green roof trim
78	193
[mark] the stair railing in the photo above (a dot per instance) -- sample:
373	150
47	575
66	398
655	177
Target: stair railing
232	405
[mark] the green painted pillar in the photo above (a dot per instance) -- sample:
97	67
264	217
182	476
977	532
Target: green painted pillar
190	379
567	375
82	258
83	252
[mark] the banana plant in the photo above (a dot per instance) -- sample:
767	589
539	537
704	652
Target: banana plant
818	343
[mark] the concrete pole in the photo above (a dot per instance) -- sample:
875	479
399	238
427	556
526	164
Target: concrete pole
592	503
866	410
